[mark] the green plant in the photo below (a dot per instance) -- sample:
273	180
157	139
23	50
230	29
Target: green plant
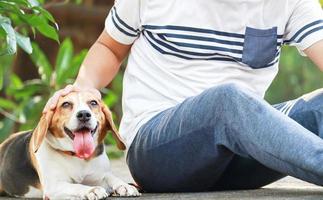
297	76
19	18
21	102
24	101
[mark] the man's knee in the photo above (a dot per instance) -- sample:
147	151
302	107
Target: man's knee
229	93
311	102
315	98
308	111
226	99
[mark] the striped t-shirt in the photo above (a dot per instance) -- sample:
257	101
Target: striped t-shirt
180	48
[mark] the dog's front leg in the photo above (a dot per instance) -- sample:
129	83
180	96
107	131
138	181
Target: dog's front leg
65	190
118	186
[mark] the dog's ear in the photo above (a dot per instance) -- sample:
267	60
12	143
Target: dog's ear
111	126
40	131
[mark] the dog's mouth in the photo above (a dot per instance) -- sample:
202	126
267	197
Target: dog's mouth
83	141
71	135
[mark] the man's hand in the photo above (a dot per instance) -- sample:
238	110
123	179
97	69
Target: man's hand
52	102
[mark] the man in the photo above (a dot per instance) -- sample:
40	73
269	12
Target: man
194	118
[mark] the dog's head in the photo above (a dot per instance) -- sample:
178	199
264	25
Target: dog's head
79	123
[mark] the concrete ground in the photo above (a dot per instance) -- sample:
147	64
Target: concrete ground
285	189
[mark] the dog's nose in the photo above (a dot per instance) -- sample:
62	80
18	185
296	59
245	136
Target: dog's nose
83	116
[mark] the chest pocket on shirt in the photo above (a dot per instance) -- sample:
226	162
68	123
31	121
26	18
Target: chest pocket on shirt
260	47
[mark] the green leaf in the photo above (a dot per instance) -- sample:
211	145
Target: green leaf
11	7
6	127
33	30
16	81
1	76
31	111
48	31
34	2
5	24
30	88
78	2
24	42
2	33
110	99
63	61
45	13
109	139
76	64
7	104
40	60
18	2
112	151
41	24
41	1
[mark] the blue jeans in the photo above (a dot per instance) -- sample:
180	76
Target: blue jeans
228	138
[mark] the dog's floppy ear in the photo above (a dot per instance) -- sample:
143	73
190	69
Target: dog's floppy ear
111	126
40	131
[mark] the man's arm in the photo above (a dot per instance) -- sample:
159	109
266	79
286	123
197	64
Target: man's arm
315	53
102	62
99	67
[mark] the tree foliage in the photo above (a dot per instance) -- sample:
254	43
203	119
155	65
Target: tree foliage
19	19
28	98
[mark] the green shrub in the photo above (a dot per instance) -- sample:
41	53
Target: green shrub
19	18
25	100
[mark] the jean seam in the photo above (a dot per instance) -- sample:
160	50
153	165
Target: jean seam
175	139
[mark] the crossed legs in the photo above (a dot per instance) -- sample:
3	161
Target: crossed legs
227	138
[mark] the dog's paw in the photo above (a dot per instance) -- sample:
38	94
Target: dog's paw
126	190
96	193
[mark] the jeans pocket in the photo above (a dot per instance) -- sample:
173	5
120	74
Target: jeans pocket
260	47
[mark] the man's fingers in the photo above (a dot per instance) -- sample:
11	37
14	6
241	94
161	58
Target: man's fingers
67	90
54	99
96	93
52	102
70	88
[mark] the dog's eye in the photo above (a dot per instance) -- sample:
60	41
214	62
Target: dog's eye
93	103
66	104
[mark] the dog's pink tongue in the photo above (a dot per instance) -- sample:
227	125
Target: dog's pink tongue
83	144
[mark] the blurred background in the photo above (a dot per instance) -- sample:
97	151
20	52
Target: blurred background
47	59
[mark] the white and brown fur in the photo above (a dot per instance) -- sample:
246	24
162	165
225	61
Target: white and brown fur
41	164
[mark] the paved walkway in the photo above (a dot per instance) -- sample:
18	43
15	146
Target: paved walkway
286	189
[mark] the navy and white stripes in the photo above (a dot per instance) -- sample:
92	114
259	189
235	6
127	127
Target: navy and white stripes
199	44
305	31
189	50
123	26
203	44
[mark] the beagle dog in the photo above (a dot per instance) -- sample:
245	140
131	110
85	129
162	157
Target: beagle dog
64	157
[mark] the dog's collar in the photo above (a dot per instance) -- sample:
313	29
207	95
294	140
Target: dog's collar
98	151
69	153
